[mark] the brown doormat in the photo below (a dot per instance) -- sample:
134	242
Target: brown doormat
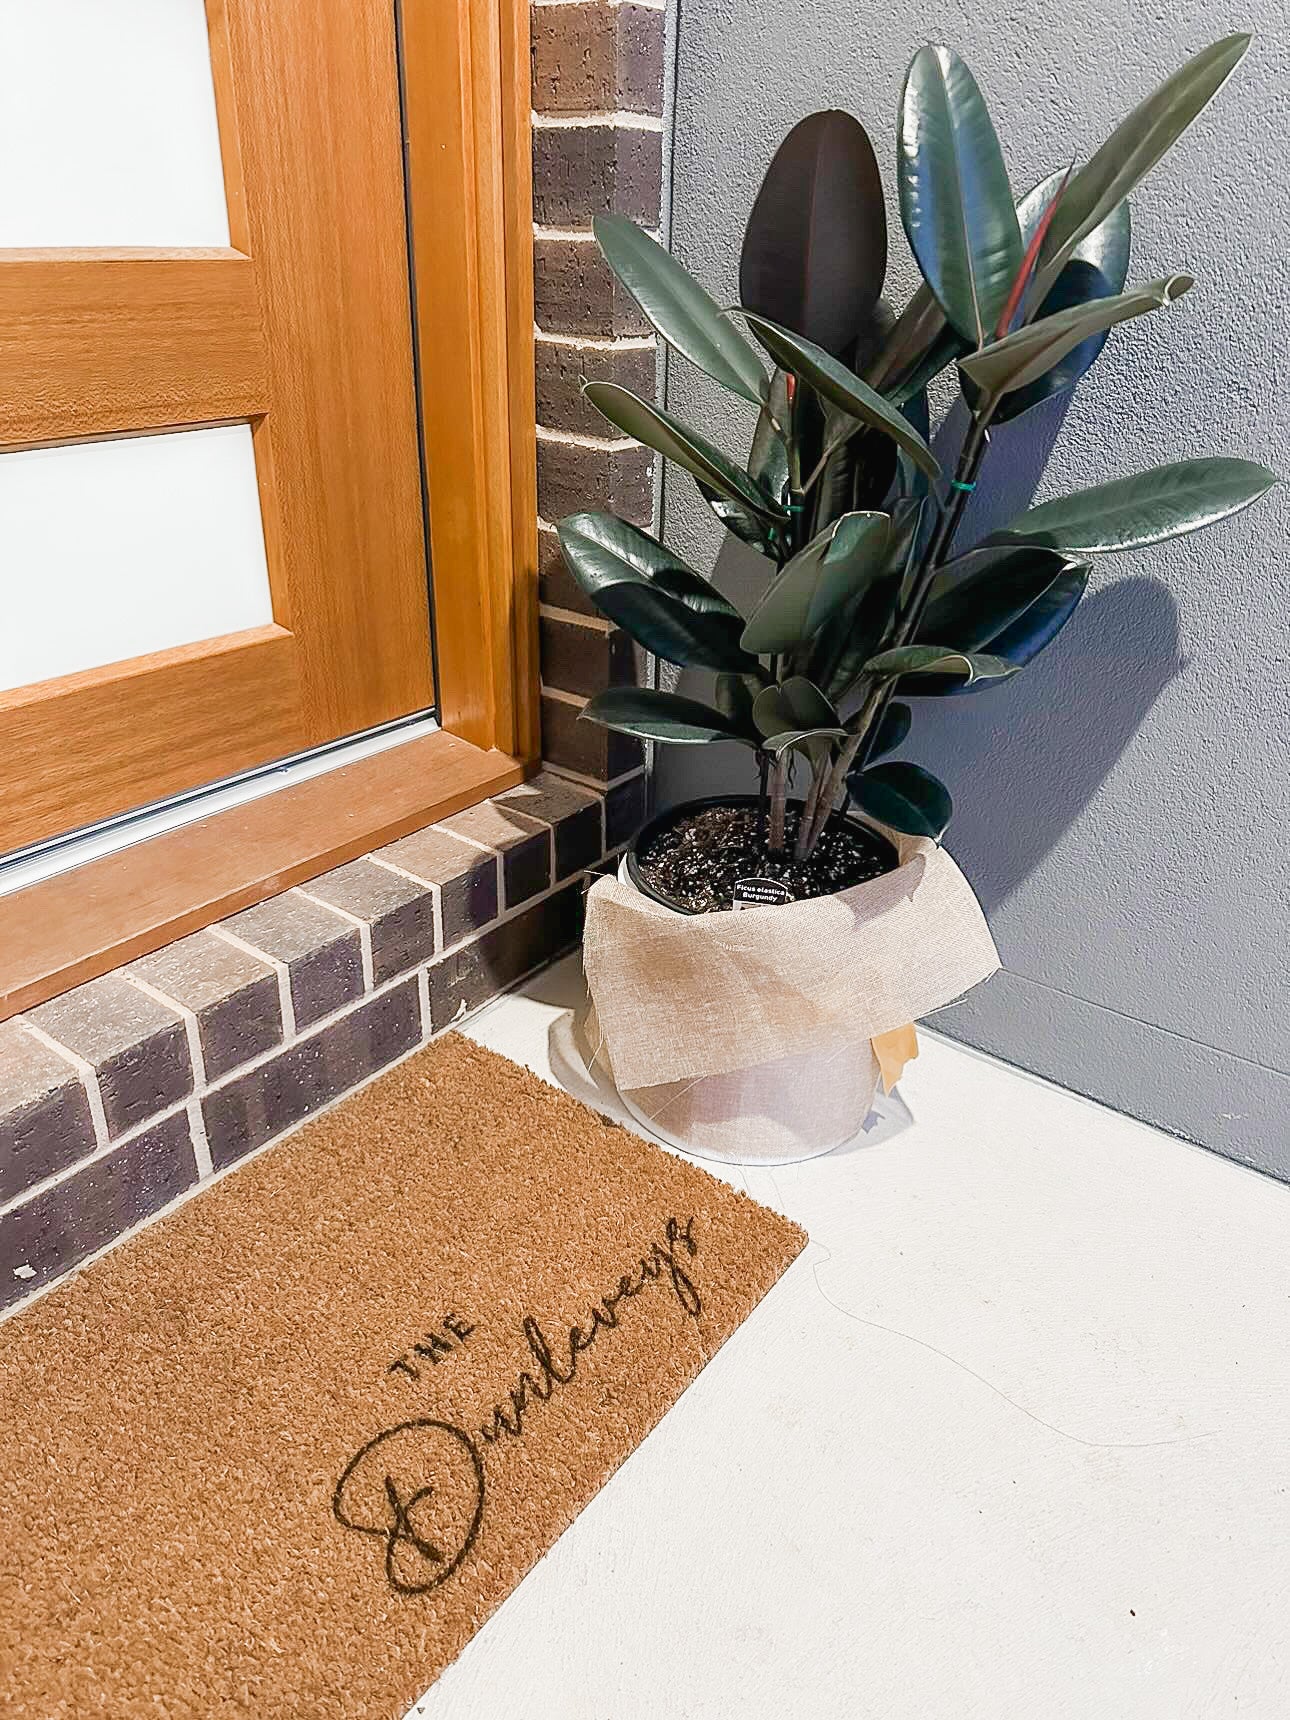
283	1453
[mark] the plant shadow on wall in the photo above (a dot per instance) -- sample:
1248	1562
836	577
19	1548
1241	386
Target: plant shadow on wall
886	589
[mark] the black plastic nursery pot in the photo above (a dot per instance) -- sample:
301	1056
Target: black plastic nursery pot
880	853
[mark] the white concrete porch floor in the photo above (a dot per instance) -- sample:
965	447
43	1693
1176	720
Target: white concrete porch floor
1010	1441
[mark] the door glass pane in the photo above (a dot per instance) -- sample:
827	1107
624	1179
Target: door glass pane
112	549
107	125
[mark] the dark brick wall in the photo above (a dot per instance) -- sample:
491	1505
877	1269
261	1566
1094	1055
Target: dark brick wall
127	1092
597	145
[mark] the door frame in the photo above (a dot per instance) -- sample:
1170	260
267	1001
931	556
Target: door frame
474	330
469	173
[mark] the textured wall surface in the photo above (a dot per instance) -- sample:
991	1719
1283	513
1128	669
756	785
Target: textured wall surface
1122	808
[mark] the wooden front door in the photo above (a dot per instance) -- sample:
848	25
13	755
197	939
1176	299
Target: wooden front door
299	328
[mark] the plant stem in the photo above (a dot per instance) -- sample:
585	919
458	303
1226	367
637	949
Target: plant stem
854	754
802	847
778	805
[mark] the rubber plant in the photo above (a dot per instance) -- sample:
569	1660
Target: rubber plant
870	599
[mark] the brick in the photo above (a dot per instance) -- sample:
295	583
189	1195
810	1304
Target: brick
581	171
625	809
572	476
573	813
561	371
481	970
399	912
576	292
61	1225
45	1120
138	1047
466	878
584	659
586	747
233	995
524	845
593	58
556	585
252	1108
323	953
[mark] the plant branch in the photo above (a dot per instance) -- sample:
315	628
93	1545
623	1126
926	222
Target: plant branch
775	835
854	754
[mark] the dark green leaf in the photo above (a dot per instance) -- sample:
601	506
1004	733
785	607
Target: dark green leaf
687	317
1133	149
1030	634
815	250
659	430
904	797
795	704
921	660
955	200
1078	284
917	329
842	388
976	596
768	455
1130	513
815	743
1106	247
642	587
1034	631
818	581
893	726
796	717
1096	269
1027	353
748	527
657	716
839	652
734	696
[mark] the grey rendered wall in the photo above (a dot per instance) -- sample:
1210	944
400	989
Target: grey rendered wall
1122	808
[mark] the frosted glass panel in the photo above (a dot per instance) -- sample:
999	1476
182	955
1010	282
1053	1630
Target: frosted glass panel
107	124
112	549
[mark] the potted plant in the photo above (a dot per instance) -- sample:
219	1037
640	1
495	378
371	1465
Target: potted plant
871	601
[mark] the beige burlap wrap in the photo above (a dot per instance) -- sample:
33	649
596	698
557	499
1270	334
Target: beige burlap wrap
747	1035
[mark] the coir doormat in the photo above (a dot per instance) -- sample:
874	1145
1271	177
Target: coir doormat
283	1453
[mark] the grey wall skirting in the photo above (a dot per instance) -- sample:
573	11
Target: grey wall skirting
1123	807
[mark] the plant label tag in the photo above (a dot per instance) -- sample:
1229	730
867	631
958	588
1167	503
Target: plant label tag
760	893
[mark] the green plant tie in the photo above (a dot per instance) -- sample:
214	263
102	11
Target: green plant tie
958	484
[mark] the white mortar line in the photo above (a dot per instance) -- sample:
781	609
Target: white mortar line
561	696
191	1025
576	235
619	120
645	5
364	933
283	970
423	1002
436	892
575	439
89	1076
192	1029
201	1145
569	235
591	781
598	342
594	623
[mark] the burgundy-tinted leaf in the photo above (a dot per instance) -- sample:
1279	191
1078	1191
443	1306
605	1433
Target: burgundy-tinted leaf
815	250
